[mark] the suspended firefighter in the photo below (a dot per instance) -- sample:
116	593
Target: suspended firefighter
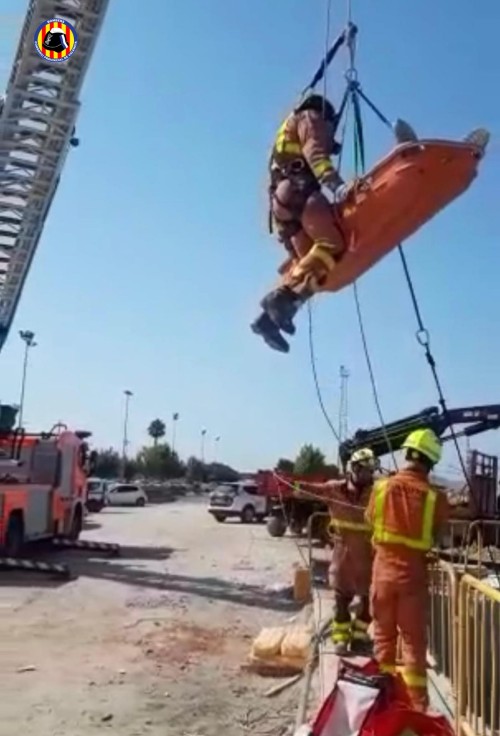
300	212
406	515
334	232
351	561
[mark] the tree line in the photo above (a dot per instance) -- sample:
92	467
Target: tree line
159	461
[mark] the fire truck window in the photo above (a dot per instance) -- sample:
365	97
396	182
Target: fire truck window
44	465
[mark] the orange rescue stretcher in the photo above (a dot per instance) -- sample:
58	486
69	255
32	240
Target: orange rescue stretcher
393	200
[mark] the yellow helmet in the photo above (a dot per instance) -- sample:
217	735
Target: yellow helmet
426	442
363	456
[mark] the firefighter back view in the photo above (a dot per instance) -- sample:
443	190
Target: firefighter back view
301	176
406	514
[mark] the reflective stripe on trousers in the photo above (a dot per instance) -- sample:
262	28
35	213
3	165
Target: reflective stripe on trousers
360	630
341	632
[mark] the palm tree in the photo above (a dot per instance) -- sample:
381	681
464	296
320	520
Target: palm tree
157	430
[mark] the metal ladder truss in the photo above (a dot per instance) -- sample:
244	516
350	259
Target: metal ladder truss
37	123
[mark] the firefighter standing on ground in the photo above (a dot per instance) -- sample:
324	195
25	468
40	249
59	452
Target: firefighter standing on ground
300	173
351	563
406	514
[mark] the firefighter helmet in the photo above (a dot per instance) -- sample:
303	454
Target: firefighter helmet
364	458
320	104
55	40
426	443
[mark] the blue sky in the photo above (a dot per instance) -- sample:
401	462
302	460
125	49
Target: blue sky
155	252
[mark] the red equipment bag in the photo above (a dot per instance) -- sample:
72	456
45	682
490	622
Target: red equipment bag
365	702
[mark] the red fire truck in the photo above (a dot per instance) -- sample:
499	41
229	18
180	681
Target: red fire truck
42	483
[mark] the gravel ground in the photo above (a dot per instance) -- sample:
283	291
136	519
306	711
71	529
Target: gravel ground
151	642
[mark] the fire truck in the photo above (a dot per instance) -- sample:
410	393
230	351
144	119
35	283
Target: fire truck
42	483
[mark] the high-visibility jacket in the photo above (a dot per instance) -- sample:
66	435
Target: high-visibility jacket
404	512
392	526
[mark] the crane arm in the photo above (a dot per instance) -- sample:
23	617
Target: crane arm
391	437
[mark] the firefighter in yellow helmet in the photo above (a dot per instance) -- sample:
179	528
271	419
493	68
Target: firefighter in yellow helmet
351	561
405	513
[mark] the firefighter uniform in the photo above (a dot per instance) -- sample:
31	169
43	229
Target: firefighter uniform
301	215
405	513
351	561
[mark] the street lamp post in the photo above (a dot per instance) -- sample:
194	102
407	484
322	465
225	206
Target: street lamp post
216	447
203	435
175	419
127	394
28	337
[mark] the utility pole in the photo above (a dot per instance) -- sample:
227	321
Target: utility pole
127	395
343	429
28	337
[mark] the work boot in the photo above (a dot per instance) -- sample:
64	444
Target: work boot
281	305
479	138
404	132
363	647
341	648
268	330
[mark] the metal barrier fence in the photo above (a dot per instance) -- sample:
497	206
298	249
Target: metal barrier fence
478	633
443	614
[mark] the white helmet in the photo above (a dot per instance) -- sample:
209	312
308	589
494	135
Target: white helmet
365	457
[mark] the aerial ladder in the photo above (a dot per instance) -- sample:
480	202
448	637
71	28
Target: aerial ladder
37	128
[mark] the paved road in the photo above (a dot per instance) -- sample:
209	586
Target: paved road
151	642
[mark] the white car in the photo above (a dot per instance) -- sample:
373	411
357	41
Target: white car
97	490
126	494
238	500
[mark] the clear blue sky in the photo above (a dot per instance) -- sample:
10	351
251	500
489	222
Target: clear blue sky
156	253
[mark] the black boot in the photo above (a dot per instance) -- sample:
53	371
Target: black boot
269	331
282	305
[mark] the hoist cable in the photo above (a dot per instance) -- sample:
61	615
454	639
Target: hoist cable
360	166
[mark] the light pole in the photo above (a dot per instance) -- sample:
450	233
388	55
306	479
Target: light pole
127	394
28	338
175	419
216	446
203	435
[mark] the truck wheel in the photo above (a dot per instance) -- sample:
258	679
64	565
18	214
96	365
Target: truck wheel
14	537
76	523
276	526
221	518
248	515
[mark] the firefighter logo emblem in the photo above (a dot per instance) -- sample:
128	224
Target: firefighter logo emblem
56	40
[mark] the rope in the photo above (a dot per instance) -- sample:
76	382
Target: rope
315	375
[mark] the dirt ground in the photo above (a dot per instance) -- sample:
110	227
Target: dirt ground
151	642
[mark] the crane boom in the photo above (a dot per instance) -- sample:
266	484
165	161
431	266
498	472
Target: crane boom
391	436
37	124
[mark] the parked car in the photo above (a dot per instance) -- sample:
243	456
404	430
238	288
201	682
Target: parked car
126	494
97	489
237	500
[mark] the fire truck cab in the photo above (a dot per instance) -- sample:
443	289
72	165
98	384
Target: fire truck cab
42	483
